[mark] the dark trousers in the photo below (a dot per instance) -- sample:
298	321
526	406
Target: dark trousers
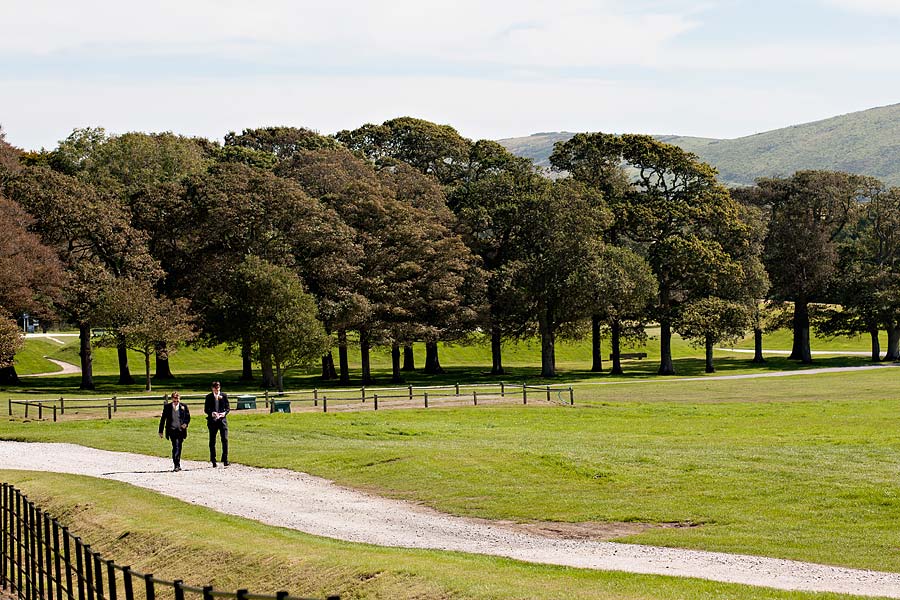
176	436
220	427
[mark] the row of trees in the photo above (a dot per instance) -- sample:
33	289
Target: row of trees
282	241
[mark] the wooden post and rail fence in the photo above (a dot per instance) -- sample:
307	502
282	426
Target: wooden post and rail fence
338	399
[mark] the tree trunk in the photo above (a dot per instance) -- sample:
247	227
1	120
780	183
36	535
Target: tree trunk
125	377
342	356
616	344
666	365
364	347
328	371
409	359
87	357
801	349
757	346
893	349
279	377
395	364
596	356
432	360
548	347
163	371
147	371
876	345
496	352
268	373
710	368
8	376
246	361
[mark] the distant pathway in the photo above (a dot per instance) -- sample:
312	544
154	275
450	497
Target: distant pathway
341	513
745	376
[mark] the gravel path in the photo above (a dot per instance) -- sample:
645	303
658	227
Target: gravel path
325	509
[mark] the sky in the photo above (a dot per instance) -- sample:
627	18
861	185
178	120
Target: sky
490	68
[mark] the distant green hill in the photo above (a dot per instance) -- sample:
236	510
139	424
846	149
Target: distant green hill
866	142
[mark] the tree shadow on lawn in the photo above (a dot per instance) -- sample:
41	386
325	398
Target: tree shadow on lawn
195	383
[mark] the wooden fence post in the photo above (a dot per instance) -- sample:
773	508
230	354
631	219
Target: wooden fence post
115	404
324	404
457	388
363	392
571	396
376	401
109	410
54	413
502	389
62	406
426	399
475	397
524	394
410	392
548	393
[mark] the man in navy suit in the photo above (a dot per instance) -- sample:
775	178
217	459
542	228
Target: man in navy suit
217	409
174	421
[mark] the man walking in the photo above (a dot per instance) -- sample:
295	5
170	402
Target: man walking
174	421
217	409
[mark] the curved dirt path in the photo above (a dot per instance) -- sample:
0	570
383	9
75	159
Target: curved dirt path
336	512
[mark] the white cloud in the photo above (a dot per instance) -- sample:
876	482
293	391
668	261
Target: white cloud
36	114
570	32
889	8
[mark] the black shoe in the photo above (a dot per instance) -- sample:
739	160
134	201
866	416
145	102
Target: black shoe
214	464
176	469
224	463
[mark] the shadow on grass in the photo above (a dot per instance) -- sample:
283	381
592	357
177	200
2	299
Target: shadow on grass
107	385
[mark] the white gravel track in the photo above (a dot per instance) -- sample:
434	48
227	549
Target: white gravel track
322	508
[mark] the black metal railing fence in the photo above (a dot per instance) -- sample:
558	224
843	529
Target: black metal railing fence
40	559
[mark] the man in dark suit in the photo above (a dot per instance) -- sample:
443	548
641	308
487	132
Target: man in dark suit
217	409
174	421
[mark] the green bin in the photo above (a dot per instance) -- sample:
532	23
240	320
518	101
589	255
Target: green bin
246	402
282	406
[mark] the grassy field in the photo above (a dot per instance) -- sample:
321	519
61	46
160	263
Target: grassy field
801	467
135	527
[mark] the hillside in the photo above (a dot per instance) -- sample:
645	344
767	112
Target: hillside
866	142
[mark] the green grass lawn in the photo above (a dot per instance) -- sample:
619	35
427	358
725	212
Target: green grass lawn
135	527
802	467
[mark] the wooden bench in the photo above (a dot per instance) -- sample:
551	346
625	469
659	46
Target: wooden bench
627	355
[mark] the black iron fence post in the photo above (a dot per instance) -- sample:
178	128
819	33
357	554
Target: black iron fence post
98	576
148	586
48	556
79	567
56	557
127	584
3	530
67	553
111	579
